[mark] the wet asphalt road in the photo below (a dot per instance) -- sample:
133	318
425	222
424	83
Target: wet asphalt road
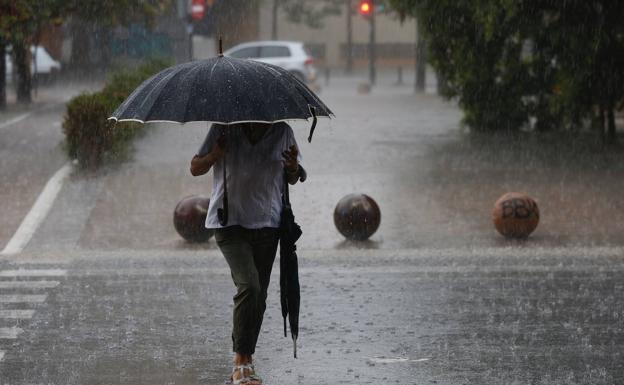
491	316
111	295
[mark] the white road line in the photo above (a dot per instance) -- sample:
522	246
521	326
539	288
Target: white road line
38	212
28	284
17	314
22	298
10	333
15	120
33	273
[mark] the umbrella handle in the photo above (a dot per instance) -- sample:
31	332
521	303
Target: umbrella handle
314	120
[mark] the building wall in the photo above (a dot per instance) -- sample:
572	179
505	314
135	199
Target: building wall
395	40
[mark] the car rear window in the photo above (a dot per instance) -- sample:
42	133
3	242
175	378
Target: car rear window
274	51
245	53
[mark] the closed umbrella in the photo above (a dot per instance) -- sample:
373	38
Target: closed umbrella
289	232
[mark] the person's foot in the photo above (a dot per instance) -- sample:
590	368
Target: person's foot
245	375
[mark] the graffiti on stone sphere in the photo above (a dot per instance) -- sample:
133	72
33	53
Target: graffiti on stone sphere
519	208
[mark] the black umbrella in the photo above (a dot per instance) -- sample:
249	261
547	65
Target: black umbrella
222	90
289	232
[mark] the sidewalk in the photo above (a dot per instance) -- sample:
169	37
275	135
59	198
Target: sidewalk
435	185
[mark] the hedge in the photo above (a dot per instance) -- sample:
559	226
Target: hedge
90	137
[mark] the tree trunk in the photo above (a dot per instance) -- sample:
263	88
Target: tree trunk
600	125
3	70
611	138
22	64
421	59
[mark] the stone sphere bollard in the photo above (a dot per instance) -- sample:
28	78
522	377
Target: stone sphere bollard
357	216
189	218
515	215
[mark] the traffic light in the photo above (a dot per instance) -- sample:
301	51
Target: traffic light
365	8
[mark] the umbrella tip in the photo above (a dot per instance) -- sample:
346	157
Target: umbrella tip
295	346
220	46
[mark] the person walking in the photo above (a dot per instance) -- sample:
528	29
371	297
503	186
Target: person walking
257	156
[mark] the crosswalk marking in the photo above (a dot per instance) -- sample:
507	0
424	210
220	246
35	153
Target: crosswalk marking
10	333
28	284
33	273
22	281
17	314
19	298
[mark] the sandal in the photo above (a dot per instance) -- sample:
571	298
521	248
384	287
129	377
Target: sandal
245	379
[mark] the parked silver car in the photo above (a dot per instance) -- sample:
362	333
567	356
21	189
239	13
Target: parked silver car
290	55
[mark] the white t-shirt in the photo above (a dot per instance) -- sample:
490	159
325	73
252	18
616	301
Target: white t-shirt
255	176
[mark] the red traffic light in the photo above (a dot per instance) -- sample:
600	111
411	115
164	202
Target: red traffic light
365	8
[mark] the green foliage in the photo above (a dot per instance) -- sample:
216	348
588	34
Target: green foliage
21	22
557	64
90	137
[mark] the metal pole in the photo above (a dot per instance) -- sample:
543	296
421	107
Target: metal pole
274	26
189	30
349	52
371	46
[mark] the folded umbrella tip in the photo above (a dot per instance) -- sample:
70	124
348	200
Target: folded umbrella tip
295	346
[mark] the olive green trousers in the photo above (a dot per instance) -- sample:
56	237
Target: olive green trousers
250	253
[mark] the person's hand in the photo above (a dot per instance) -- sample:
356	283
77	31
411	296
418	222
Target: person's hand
290	159
218	150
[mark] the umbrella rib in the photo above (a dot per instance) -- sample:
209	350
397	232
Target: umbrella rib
165	79
193	72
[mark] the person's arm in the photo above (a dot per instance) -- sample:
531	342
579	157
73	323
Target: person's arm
291	164
202	164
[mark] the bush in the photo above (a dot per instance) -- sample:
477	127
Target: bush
90	137
88	133
512	65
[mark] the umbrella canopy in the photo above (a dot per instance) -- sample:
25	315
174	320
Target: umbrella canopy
289	233
221	90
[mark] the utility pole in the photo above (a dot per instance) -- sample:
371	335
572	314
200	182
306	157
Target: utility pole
371	46
275	14
349	68
367	10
